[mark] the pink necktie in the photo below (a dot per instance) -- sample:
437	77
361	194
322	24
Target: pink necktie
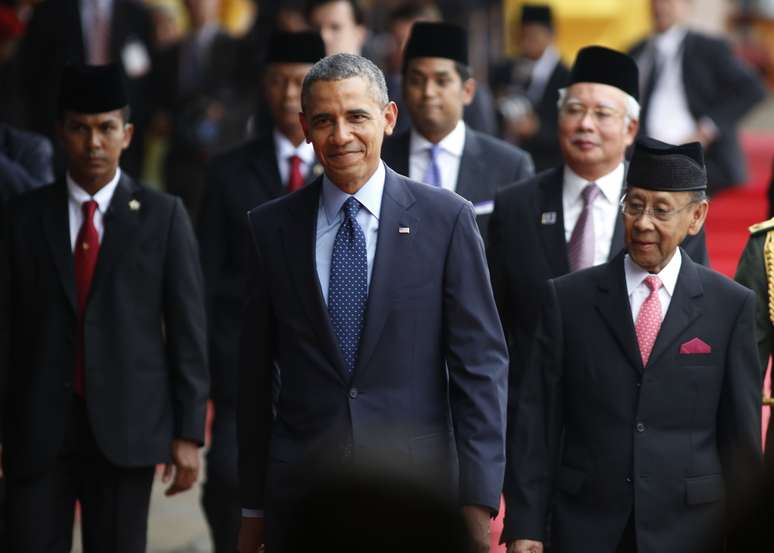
649	319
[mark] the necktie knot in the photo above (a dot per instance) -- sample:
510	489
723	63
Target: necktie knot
88	208
434	149
590	193
350	208
295	162
653	282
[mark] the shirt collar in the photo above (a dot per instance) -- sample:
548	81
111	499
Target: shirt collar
285	148
670	40
635	274
369	195
611	184
453	143
102	197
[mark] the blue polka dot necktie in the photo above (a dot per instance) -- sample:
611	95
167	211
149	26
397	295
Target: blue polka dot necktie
348	286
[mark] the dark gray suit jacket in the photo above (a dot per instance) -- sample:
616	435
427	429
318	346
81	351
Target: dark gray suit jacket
145	342
428	393
26	162
675	444
487	165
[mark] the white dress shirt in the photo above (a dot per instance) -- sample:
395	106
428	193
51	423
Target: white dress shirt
605	210
285	150
77	195
449	156
638	291
668	116
329	219
541	72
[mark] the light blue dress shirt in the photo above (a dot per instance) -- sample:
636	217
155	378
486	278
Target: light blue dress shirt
329	218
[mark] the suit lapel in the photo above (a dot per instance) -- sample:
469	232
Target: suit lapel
391	246
56	224
121	224
299	239
550	212
613	305
617	243
401	150
683	308
264	163
469	183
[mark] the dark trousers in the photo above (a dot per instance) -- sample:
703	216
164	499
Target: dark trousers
220	497
114	500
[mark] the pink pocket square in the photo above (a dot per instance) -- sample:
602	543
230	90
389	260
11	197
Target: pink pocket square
695	346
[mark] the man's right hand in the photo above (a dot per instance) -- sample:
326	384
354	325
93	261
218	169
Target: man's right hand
525	546
251	535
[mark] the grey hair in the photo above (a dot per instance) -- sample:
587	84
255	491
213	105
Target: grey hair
632	106
346	66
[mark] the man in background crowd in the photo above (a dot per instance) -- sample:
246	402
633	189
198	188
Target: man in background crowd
440	149
694	88
279	161
527	88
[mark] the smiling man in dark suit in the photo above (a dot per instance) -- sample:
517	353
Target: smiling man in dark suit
277	162
638	422
103	369
371	297
440	149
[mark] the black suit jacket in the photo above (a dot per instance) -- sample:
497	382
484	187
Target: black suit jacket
428	391
25	162
487	165
145	342
237	181
675	444
543	146
720	86
525	250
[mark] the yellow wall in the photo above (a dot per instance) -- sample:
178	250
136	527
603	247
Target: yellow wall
614	23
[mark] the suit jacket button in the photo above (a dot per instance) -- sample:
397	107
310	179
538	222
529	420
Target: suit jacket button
353	393
640	427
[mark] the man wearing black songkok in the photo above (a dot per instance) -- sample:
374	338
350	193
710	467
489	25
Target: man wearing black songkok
441	149
638	424
277	162
103	366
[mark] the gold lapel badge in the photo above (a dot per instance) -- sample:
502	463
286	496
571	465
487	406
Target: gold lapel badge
317	169
134	205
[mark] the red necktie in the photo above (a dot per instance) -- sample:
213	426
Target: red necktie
86	251
296	179
649	319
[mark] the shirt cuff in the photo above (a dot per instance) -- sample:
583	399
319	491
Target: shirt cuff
252	513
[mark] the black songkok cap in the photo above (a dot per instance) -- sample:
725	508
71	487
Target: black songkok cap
597	64
663	167
301	47
437	40
537	13
92	89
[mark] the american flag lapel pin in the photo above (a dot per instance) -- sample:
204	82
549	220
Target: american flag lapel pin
404	230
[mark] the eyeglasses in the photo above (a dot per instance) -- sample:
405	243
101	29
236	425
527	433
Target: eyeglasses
601	115
635	209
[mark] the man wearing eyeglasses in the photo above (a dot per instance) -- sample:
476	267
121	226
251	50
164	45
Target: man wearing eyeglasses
568	217
638	423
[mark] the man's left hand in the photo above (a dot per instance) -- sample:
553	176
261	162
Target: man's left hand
184	467
479	520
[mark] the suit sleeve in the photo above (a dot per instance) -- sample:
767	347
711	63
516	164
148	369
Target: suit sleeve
739	413
185	327
477	361
533	441
495	247
751	273
738	88
525	168
5	311
256	368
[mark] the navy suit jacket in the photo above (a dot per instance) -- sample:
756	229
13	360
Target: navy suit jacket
599	437
487	165
428	392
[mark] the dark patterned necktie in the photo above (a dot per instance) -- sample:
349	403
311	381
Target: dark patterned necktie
348	286
581	245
